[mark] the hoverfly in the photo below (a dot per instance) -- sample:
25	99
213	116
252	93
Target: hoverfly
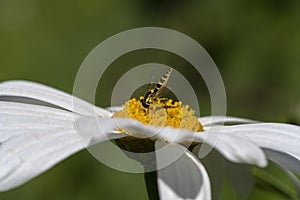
153	94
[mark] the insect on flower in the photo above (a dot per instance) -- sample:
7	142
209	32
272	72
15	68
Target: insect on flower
153	94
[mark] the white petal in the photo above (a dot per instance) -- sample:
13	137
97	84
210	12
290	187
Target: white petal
18	119
97	127
136	129
33	139
284	159
24	157
280	137
50	95
186	178
220	170
114	108
21	109
233	147
215	120
287	163
94	130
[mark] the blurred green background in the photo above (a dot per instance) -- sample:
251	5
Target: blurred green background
255	44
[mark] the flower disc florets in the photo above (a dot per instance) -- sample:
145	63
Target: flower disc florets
162	112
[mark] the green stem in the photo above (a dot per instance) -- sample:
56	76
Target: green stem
151	185
143	146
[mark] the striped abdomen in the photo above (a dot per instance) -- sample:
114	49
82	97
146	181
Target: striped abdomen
152	94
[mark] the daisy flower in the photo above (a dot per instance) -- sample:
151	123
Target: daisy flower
39	127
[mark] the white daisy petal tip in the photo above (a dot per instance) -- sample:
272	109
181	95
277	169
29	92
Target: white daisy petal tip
233	147
284	159
185	178
279	137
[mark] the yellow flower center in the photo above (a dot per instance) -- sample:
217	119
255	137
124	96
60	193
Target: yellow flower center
162	112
